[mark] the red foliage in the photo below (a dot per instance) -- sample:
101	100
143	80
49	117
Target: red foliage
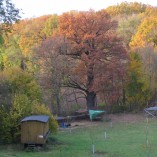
91	39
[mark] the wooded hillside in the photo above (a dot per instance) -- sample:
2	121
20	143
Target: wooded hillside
82	59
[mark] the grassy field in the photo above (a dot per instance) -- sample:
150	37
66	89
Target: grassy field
130	138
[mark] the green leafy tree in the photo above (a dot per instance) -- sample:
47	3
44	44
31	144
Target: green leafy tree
8	12
24	83
5	123
149	60
21	107
51	26
11	55
8	15
137	89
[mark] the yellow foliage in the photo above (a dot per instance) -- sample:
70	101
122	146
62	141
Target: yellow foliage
42	109
144	33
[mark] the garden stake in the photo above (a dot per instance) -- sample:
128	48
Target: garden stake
105	135
93	149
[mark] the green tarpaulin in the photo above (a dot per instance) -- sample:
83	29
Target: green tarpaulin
93	114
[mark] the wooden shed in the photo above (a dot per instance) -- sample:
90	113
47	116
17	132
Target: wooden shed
35	129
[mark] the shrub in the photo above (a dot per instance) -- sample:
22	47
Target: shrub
42	109
24	100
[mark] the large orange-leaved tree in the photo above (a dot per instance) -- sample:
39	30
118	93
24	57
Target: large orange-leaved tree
97	50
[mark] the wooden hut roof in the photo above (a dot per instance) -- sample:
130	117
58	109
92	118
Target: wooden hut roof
40	118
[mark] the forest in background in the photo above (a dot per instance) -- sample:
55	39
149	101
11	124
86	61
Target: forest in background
105	59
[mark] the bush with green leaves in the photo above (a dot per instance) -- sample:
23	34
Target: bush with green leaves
25	100
24	83
11	117
43	109
5	123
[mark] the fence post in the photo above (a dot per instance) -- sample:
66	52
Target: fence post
105	135
93	151
60	153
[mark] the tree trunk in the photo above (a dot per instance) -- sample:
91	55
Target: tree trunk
91	95
124	97
23	65
91	100
58	103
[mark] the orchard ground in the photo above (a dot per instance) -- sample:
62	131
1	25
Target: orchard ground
118	135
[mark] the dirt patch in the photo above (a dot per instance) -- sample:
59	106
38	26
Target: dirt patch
100	153
127	117
114	118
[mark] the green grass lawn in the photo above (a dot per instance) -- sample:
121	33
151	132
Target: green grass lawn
123	140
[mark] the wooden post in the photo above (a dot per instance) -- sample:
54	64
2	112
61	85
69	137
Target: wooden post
105	135
93	151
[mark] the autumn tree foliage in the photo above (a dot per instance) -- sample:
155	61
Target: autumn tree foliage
127	8
146	33
128	26
8	15
92	42
137	89
52	71
25	35
84	51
